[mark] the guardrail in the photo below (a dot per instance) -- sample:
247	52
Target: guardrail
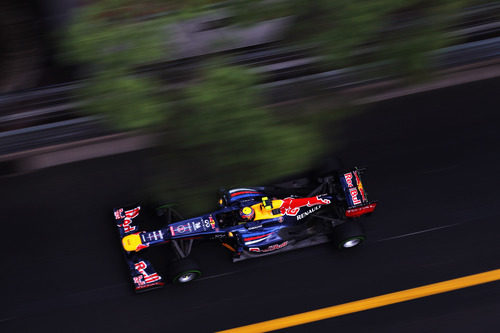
25	127
49	134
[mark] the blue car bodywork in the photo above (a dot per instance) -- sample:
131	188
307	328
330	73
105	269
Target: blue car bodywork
287	216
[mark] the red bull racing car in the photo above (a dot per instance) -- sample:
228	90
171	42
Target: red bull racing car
250	222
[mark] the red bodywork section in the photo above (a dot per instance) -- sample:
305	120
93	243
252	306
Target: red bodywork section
291	206
358	211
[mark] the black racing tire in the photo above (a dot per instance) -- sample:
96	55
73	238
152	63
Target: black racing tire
183	271
349	234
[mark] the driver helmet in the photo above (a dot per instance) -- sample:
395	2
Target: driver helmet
247	213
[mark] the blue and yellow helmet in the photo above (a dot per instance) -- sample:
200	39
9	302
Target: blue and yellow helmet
247	213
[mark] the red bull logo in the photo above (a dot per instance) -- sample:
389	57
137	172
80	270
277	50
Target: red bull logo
119	214
348	179
212	222
354	195
144	277
127	222
291	206
360	187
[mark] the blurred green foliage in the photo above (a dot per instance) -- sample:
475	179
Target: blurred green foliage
217	131
111	43
116	36
225	137
127	102
340	30
105	36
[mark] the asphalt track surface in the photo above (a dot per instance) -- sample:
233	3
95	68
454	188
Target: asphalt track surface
433	162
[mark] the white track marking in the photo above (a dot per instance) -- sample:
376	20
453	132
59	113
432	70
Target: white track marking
380	240
216	276
418	232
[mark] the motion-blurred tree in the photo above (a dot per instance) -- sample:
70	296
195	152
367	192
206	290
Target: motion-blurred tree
218	131
227	138
399	34
107	37
114	37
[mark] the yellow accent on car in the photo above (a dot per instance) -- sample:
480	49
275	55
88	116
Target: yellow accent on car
247	210
263	213
267	203
131	242
360	185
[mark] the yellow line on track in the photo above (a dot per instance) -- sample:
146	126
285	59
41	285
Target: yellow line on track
369	303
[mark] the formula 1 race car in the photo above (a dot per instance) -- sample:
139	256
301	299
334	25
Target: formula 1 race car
250	222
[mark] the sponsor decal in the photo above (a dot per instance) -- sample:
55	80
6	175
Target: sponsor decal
348	179
269	248
183	228
256	226
212	222
256	239
202	224
138	280
119	214
291	206
196	225
128	217
304	214
144	278
206	224
360	187
149	285
355	189
153	236
354	195
355	212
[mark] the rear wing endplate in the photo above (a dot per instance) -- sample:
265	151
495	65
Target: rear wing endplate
357	198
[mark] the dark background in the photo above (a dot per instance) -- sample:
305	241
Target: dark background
432	163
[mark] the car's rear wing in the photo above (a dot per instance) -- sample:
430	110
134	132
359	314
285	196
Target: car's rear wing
143	274
356	196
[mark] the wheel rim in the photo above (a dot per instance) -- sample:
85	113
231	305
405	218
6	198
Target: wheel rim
351	242
187	277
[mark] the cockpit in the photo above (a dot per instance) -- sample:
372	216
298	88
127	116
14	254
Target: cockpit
264	210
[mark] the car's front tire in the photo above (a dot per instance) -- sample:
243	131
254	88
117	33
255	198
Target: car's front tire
184	271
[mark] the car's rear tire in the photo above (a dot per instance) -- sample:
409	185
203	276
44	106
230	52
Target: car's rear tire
184	271
349	234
